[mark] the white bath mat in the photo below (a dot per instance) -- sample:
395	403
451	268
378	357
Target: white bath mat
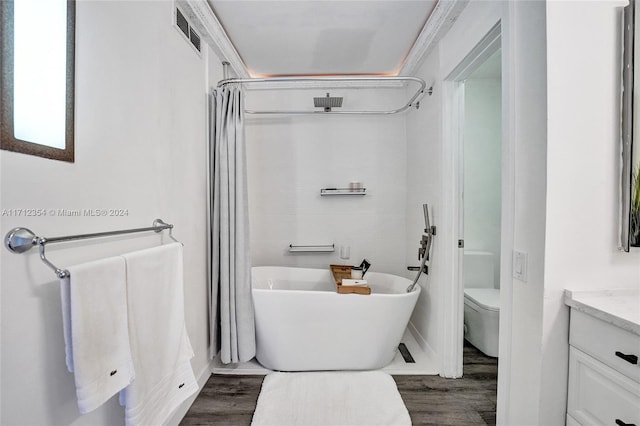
330	399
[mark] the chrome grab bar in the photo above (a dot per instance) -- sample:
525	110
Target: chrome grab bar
311	248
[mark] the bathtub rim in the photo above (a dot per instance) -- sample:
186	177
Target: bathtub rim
417	289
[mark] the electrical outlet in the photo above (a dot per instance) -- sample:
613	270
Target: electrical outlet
520	265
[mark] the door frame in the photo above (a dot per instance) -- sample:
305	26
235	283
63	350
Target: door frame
452	299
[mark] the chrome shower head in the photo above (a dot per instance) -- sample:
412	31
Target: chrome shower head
328	102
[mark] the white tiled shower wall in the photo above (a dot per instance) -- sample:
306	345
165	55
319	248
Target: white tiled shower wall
290	158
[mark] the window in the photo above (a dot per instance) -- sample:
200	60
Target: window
37	86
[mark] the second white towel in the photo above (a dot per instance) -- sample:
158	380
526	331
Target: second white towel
159	343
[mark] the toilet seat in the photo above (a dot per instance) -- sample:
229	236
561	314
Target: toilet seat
485	298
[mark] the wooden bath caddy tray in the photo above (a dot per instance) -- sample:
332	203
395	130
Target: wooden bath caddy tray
344	271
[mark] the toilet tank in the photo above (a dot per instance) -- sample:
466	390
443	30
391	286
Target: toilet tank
478	269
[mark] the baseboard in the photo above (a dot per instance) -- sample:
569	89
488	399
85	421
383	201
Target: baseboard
251	367
421	341
181	411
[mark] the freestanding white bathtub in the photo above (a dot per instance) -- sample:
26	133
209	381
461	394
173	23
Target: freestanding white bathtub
303	324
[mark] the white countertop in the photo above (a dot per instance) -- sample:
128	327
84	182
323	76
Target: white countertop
618	307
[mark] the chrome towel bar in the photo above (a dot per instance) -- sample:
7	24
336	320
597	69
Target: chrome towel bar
20	240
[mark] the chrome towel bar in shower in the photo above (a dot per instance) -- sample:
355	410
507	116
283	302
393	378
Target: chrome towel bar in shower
20	240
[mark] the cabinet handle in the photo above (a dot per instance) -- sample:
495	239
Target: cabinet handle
621	423
632	359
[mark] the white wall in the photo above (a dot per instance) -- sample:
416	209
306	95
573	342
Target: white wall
583	73
424	185
140	145
482	168
526	108
290	158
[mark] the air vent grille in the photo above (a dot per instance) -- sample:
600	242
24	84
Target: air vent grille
195	39
182	23
187	29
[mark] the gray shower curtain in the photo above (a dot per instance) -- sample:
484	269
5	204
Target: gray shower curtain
232	325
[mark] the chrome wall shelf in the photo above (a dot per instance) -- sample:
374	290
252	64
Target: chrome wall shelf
343	191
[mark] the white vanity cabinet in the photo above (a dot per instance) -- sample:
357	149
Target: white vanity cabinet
604	366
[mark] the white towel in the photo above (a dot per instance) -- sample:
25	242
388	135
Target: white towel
94	315
159	343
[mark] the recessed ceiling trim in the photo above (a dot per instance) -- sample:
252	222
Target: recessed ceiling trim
217	34
278	38
441	20
315	84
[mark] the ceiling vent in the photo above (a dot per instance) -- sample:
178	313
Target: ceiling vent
187	30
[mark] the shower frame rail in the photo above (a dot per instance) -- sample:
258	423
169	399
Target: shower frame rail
414	101
21	240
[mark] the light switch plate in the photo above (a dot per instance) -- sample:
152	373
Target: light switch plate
520	265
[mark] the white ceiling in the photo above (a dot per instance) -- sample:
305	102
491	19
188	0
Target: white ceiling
277	38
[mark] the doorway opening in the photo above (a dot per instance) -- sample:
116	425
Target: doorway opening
480	164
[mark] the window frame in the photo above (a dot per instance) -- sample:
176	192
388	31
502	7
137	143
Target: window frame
7	139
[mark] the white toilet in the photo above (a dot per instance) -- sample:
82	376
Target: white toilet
481	302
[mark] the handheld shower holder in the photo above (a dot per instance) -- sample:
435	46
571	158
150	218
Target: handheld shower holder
425	248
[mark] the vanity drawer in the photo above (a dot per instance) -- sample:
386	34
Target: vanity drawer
603	341
599	395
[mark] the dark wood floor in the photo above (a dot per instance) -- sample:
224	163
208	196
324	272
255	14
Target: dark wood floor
471	400
431	400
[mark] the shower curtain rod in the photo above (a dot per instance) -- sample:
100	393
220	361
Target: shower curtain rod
414	101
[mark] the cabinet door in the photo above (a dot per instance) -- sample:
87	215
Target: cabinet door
599	395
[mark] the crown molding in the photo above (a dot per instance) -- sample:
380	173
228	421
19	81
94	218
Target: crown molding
440	21
214	33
